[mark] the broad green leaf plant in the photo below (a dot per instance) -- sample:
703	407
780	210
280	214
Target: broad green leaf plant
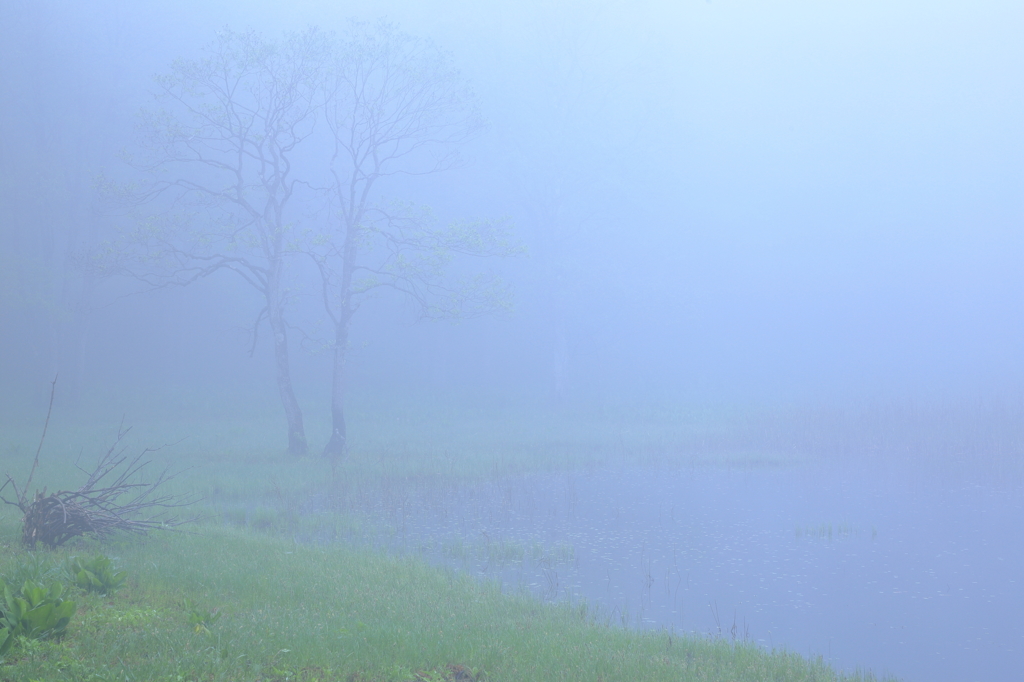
35	611
96	574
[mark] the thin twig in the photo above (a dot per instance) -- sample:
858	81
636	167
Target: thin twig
35	462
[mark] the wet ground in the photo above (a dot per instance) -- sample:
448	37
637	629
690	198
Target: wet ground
891	571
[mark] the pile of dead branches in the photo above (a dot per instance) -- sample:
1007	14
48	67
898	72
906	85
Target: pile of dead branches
111	500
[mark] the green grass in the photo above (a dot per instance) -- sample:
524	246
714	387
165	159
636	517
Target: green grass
233	460
291	612
236	465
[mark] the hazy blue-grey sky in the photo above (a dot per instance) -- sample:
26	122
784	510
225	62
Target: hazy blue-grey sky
740	201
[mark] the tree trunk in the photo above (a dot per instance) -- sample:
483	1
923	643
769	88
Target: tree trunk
337	446
296	431
560	358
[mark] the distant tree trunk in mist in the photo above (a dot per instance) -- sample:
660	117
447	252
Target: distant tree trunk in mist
221	156
47	160
394	105
74	339
560	357
569	150
545	204
338	442
292	412
75	335
341	316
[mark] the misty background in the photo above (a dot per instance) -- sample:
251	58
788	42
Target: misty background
781	203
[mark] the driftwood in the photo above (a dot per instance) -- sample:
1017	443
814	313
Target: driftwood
110	500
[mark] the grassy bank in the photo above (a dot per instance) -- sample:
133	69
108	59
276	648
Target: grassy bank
290	612
295	612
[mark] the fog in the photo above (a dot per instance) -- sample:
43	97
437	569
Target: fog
765	206
719	200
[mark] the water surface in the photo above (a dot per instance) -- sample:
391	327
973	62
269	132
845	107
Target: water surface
894	572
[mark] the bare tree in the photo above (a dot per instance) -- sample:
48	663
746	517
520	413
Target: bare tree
394	105
222	190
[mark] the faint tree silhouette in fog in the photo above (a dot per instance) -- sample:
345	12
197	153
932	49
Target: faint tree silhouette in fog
569	153
394	105
220	189
257	137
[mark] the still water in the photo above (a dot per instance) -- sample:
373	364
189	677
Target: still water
891	572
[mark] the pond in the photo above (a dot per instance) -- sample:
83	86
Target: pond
884	570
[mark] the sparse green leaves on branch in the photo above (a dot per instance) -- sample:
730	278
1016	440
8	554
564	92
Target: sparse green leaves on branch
216	178
245	145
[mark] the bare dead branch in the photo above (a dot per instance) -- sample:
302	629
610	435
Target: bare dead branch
99	506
